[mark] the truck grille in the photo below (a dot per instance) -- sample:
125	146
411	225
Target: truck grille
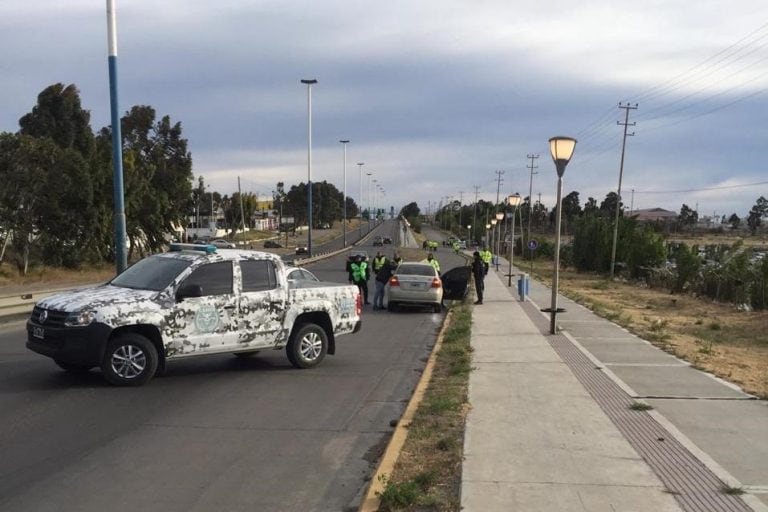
55	318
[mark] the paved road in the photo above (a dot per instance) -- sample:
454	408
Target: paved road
216	433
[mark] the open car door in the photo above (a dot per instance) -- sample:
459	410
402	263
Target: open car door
456	283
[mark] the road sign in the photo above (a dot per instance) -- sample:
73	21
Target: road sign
532	244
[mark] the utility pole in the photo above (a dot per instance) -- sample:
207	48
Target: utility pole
632	203
498	185
530	198
461	200
625	124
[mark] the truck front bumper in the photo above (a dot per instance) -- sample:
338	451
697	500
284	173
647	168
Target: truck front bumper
75	345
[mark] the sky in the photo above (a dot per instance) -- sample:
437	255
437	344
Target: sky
434	96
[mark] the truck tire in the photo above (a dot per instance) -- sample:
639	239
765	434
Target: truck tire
307	346
78	369
130	360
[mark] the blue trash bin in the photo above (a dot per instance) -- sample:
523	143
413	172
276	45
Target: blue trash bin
522	286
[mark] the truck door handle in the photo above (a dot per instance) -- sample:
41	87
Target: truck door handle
229	307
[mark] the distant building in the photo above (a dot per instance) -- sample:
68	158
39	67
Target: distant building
653	215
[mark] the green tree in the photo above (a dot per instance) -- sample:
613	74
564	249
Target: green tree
59	116
157	173
687	216
411	210
608	205
734	221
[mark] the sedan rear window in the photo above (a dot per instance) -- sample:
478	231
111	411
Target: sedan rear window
415	270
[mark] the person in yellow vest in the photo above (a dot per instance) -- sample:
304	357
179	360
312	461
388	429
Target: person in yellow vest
378	262
359	271
486	256
432	261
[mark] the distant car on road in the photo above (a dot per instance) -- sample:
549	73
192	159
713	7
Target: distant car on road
271	244
302	249
220	243
387	240
378	241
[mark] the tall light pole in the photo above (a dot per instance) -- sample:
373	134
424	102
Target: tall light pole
375	189
344	209
487	237
121	255
369	200
530	201
360	206
492	243
513	201
562	150
309	83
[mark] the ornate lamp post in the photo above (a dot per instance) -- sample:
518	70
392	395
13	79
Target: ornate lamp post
514	202
562	150
499	217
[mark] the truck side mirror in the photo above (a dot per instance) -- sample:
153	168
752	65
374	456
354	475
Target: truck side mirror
189	290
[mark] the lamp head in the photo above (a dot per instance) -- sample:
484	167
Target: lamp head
487	226
561	149
493	222
344	141
514	200
499	215
309	81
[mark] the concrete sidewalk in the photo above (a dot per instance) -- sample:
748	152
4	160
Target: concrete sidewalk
551	427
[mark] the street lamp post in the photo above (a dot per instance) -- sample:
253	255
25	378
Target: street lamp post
344	209
360	206
375	208
499	216
513	201
562	150
492	243
309	83
487	238
469	234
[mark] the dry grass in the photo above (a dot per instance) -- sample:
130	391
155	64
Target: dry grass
50	277
714	337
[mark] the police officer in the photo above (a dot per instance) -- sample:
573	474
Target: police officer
478	272
382	277
359	271
486	256
432	261
378	262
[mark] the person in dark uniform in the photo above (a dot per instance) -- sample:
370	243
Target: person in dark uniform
478	271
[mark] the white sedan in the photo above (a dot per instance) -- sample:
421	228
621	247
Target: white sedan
415	284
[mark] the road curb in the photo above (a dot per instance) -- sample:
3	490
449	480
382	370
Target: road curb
386	465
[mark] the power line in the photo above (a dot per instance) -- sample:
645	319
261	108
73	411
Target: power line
724	187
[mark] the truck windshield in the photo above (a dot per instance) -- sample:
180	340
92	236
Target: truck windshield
153	273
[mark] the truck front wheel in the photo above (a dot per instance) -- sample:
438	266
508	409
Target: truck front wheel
130	360
308	346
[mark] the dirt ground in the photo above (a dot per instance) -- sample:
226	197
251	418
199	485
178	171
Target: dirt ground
718	338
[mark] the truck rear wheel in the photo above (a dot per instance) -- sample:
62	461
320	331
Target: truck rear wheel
307	346
130	360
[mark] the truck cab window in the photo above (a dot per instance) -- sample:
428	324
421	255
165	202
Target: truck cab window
258	275
214	278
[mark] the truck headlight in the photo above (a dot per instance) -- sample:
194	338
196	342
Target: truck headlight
80	318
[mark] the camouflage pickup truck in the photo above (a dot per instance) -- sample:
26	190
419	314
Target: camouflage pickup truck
193	300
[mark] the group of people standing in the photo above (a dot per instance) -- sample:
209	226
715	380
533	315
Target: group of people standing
382	268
